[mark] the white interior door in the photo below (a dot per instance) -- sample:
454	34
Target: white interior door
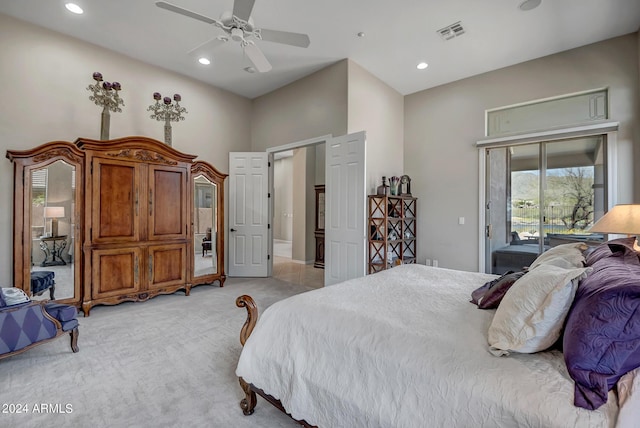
248	214
345	234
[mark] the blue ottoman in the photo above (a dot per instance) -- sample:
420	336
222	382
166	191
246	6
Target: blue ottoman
42	280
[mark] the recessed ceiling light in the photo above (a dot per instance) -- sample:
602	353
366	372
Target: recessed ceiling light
529	4
422	66
72	7
361	34
204	61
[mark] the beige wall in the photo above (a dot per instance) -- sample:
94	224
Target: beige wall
44	77
378	109
442	125
303	244
310	107
636	161
283	202
340	99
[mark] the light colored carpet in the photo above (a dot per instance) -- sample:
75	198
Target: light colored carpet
168	362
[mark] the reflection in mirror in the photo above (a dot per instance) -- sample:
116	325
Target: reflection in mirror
204	227
52	231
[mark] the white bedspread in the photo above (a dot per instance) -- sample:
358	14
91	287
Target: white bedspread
405	348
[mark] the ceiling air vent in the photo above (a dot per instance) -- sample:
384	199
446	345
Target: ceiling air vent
451	31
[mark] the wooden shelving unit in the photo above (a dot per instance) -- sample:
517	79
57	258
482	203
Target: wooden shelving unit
392	231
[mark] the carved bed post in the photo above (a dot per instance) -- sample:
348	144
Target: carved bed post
248	403
245	301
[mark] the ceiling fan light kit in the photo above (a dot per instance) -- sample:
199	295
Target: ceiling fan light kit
239	27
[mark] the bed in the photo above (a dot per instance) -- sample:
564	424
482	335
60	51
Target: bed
405	348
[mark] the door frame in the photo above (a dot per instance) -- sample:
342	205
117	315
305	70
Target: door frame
609	128
270	152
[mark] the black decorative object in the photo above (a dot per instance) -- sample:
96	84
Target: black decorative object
383	190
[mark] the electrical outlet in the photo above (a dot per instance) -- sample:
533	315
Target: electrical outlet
427	262
435	263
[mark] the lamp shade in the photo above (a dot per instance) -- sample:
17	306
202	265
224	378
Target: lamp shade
54	212
619	219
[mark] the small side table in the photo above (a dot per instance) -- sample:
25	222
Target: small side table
52	247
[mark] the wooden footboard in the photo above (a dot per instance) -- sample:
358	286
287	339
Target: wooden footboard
248	403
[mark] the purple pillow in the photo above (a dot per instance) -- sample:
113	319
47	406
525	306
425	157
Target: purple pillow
480	291
601	339
490	294
607	249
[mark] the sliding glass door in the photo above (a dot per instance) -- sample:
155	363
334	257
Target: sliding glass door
540	195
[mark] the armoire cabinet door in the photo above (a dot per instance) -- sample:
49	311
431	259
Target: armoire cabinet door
167	204
115	271
167	265
115	201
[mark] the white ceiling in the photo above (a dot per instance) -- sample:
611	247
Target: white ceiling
398	35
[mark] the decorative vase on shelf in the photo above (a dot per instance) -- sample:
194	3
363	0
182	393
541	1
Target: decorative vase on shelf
383	190
394	185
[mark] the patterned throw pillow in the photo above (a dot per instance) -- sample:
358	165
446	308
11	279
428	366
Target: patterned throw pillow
490	294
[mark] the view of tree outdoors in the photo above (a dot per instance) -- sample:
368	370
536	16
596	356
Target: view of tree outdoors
568	201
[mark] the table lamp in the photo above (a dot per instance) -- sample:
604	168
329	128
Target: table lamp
54	213
621	219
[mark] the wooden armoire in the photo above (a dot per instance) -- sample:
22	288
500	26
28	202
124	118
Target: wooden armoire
134	219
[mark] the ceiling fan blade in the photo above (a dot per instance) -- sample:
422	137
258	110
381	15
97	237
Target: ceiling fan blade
257	58
206	47
177	9
285	37
242	9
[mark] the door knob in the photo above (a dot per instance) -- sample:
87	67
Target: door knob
232	229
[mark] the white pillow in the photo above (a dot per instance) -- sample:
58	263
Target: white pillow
567	256
629	400
13	296
531	314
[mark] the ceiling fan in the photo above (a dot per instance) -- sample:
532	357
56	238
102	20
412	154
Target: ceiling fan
238	26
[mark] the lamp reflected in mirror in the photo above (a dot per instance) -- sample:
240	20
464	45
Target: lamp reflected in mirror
54	213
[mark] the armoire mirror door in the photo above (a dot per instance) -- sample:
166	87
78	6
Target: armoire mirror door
204	226
207	260
47	245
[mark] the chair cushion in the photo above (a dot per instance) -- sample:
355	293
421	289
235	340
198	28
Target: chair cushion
64	313
61	312
41	280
